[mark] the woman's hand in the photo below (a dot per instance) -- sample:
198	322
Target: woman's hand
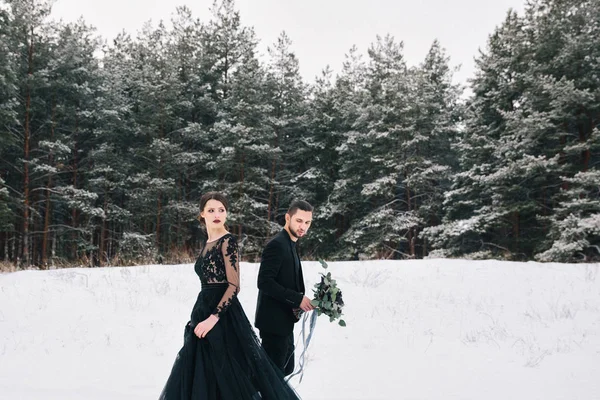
205	326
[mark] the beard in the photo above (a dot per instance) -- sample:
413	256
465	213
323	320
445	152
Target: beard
294	233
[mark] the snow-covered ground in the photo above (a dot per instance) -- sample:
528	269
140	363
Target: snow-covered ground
431	329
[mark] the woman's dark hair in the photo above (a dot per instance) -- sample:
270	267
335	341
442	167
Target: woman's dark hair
212	196
299	205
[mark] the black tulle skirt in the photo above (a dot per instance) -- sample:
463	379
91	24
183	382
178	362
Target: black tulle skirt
229	363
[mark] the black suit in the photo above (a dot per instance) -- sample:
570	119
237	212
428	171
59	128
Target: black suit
281	289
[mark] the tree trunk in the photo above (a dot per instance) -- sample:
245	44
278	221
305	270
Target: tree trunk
26	152
515	218
7	246
46	224
33	245
4	245
339	225
239	234
160	175
178	235
53	256
584	134
75	169
273	174
18	250
411	234
276	208
48	186
271	189
110	244
411	242
562	155
158	215
101	255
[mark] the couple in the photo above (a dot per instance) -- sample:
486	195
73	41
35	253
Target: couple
221	357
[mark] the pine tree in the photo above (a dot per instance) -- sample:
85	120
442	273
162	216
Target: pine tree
154	91
290	164
575	224
529	134
239	137
195	107
324	127
430	159
380	224
488	204
70	99
568	96
349	95
8	89
30	43
8	118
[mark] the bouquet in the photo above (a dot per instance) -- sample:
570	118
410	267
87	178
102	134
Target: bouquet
328	297
327	300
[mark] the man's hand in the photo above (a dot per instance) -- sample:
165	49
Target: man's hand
305	305
205	326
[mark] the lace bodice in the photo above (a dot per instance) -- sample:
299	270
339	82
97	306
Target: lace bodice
219	263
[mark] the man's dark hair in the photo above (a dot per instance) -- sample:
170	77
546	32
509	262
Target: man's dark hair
299	205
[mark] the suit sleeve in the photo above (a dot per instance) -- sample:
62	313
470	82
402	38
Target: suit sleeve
270	265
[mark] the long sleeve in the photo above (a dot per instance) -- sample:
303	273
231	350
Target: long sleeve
270	265
229	249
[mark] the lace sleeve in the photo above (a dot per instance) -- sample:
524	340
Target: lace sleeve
229	249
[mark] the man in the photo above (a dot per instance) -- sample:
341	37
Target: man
281	288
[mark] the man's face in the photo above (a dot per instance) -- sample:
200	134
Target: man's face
299	222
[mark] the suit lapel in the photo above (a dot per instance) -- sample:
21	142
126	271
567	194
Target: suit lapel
296	272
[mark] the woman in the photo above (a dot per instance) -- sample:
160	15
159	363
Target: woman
221	357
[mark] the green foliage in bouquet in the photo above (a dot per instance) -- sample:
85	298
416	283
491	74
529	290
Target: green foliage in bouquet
328	297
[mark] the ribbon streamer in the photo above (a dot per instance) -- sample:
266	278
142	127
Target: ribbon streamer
305	343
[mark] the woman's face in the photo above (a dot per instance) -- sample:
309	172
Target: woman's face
214	214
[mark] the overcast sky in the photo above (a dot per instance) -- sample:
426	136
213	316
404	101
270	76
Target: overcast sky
323	31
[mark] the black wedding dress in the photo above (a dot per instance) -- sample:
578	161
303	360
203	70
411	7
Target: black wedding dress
229	362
